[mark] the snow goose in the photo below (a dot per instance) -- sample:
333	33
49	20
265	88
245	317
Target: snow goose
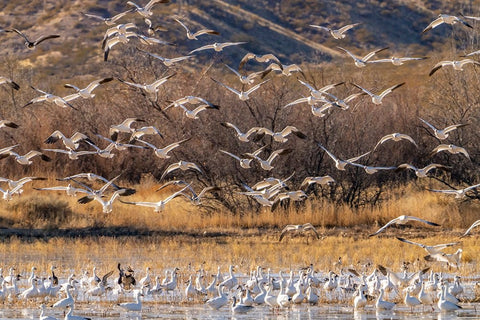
359	301
474	225
71	316
267	164
411	301
372	169
443	134
231	281
159	205
445	305
32	44
218	301
298	228
320	93
85	93
244	162
395	137
259	58
193	114
285	70
166	61
398	61
450	148
216	46
430	249
240	307
151	88
109	43
11	83
25	159
133	306
402	220
459	193
68	301
14	183
243	95
361	62
336	33
317	180
445	18
341	164
456	64
377	98
280	136
245	79
125	127
381	304
51	98
109	21
239	134
422	172
71	143
182	165
43	316
162	153
146	11
193	35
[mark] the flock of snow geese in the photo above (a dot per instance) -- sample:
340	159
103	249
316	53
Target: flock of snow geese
258	289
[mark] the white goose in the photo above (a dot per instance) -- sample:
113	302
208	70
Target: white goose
280	136
341	164
240	135
457	65
43	316
402	220
109	21
193	35
71	143
25	159
193	114
217	46
133	306
159	205
85	93
218	301
146	11
474	225
166	61
422	172
317	180
445	18
362	62
398	61
151	88
336	33
50	98
246	79
242	95
162	153
377	98
182	165
443	134
259	58
459	193
267	164
453	149
395	137
125	126
381	304
72	154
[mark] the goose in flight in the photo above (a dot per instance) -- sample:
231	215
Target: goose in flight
7	194
193	114
285	70
25	159
119	29
298	228
70	143
445	18
398	61
243	95
125	127
90	177
244	162
267	164
162	153
459	193
32	44
11	83
115	144
70	190
262	197
336	33
246	79
474	225
99	193
372	169
168	62
51	98
240	135
189	99
456	64
109	21
109	43
195	199
140	132
422	172
395	137
85	93
377	99
150	88
193	36
182	165
8	123
403	219
443	134
430	249
217	46
451	259
159	205
317	180
450	148
13	183
72	153
146	11
341	164
259	58
320	93
272	183
281	135
359	61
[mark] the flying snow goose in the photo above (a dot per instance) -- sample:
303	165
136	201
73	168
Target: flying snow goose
359	61
85	93
125	127
245	79
244	162
317	180
298	228
109	43
189	99
286	70
193	114
377	98
259	58
398	61
445	18
320	93
280	136
443	134
182	165
341	164
109	21
107	206
395	137
430	249
51	98
8	123
140	132
403	219
166	61
25	159
422	172
32	44
217	46
474	225
72	154
193	35
151	88
459	193
71	143
11	83
450	148
70	190
242	95
456	64
240	135
146	11
115	144
336	33
267	164
372	169
162	153
13	183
